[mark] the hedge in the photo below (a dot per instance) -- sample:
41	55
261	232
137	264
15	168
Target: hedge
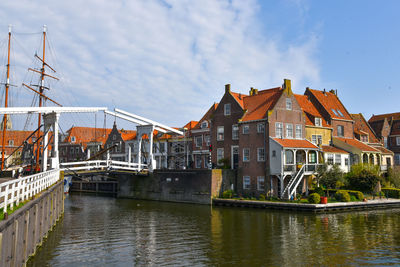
314	198
391	192
357	194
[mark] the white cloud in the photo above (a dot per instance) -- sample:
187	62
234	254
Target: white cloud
166	60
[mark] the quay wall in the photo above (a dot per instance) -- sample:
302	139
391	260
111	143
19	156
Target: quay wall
25	229
191	186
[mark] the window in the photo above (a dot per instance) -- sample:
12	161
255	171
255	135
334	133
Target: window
246	182
73	139
346	161
288	103
114	137
273	153
278	129
199	141
260	128
204	124
385	142
246	129
72	150
10	142
330	159
260	183
207	140
340	113
397	159
260	154
220	155
198	161
338	159
334	112
398	140
220	133
364	138
235	132
246	154
340	130
162	147
298	131
318	122
227	109
289	130
289	157
312	157
316	139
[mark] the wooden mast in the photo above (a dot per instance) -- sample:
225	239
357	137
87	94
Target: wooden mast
6	101
41	89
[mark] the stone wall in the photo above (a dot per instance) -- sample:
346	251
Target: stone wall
25	229
192	186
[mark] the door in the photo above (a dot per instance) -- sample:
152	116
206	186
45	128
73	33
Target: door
235	157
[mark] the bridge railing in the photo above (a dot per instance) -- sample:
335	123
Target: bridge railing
103	164
15	191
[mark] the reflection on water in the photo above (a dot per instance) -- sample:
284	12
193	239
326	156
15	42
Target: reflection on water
102	231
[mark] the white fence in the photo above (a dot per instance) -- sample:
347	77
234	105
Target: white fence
15	191
103	165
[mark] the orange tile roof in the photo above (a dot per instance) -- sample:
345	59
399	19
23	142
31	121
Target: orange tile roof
84	135
127	135
18	137
388	116
207	116
258	105
190	125
295	143
239	98
357	144
332	149
331	102
310	110
383	150
361	126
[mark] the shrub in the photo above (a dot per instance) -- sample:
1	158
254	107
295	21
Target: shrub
332	177
262	197
353	198
319	190
227	194
342	195
362	178
391	192
314	198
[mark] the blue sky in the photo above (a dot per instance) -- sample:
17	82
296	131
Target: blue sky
169	60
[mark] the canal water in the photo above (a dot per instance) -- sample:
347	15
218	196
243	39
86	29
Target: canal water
103	231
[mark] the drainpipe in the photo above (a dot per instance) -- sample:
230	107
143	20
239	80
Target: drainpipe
265	155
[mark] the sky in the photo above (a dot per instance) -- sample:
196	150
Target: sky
168	60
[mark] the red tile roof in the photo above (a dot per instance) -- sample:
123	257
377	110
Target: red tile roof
383	150
207	116
295	143
388	116
190	125
127	135
84	135
239	98
357	144
310	110
332	149
331	104
18	137
361	126
258	105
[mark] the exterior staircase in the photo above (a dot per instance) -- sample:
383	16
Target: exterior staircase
294	182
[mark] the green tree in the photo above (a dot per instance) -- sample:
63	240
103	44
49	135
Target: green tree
363	177
332	177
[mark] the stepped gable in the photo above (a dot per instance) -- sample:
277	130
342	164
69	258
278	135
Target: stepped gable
310	110
361	126
332	104
258	104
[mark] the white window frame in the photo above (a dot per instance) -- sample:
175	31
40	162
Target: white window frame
227	109
219	128
246	154
220	155
204	124
315	139
10	142
338	132
246	129
235	132
385	142
246	183
278	127
197	161
259	180
338	159
207	140
73	139
260	128
398	140
289	130
289	105
318	122
199	137
330	157
299	131
260	154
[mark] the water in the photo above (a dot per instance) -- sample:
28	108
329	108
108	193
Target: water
103	231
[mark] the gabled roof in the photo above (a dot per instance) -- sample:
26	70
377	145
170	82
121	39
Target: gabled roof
18	137
84	135
388	116
257	105
190	125
332	149
207	116
310	110
239	98
127	135
361	126
294	143
357	144
383	150
331	104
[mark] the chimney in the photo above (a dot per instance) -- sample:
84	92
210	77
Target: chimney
240	96
287	84
253	91
332	91
227	88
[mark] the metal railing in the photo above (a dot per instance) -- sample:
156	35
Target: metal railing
310	167
15	191
103	164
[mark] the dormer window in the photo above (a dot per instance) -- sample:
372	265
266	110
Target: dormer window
318	122
288	103
73	139
114	137
227	109
340	113
364	138
334	112
204	124
10	142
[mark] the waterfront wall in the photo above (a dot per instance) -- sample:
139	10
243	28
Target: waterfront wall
192	186
25	229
